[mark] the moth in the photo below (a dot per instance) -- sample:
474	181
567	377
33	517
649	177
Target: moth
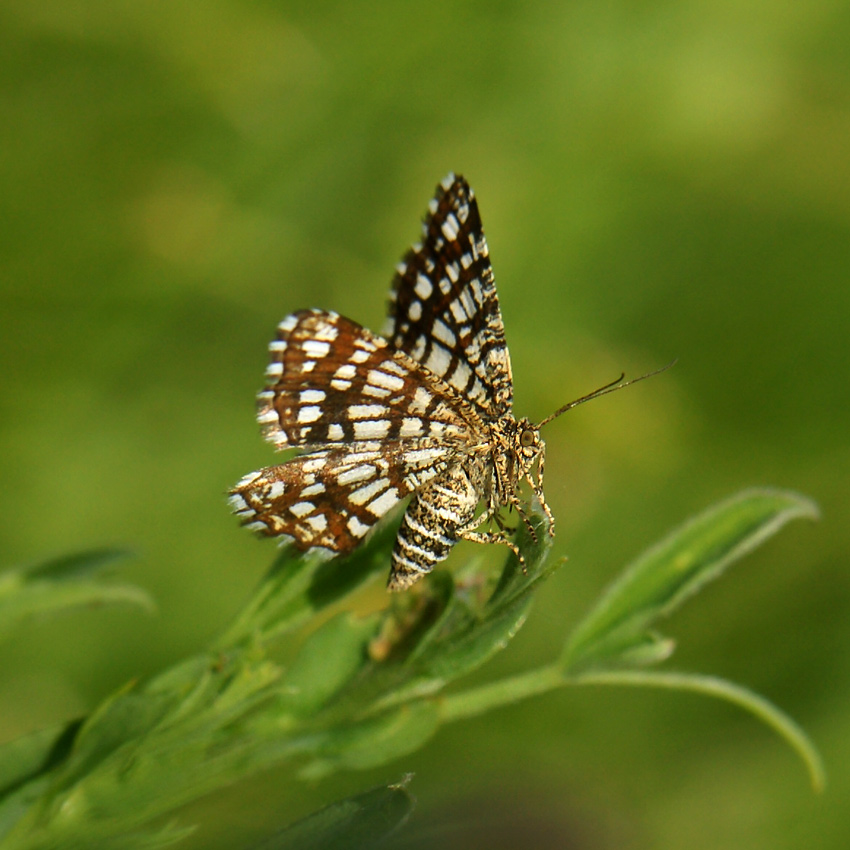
426	411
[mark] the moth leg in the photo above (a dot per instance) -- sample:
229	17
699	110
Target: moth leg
517	505
493	537
537	486
500	522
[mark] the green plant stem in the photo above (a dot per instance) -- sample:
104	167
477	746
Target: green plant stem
713	686
479	700
476	701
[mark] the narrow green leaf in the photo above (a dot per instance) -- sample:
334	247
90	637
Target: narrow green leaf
535	550
666	575
124	716
473	642
470	632
43	597
469	642
443	607
74	566
61	584
299	585
25	770
374	741
144	839
28	756
327	660
351	824
465	651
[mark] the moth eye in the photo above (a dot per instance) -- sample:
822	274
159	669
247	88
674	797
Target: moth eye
526	438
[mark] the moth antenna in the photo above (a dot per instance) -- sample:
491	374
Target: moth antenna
618	384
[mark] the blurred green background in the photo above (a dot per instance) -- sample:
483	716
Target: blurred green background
657	180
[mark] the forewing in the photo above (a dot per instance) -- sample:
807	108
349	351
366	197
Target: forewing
331	498
444	310
332	382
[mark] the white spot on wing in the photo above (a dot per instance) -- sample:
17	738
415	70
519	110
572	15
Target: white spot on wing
461	375
443	332
369	491
239	505
371	429
423	287
383	503
468	303
458	313
301	509
382	379
357	528
375	392
316	348
363	472
450	227
395	368
347	370
310	413
275	490
327	332
365	411
315	463
438	361
318	523
411	427
423	457
311	396
421	399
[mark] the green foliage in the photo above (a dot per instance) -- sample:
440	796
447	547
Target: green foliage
73	581
361	691
354	823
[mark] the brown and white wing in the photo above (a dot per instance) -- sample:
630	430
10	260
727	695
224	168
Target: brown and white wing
332	497
444	310
332	382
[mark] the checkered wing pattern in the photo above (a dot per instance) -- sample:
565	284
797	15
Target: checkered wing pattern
375	425
444	310
330	498
426	411
330	381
